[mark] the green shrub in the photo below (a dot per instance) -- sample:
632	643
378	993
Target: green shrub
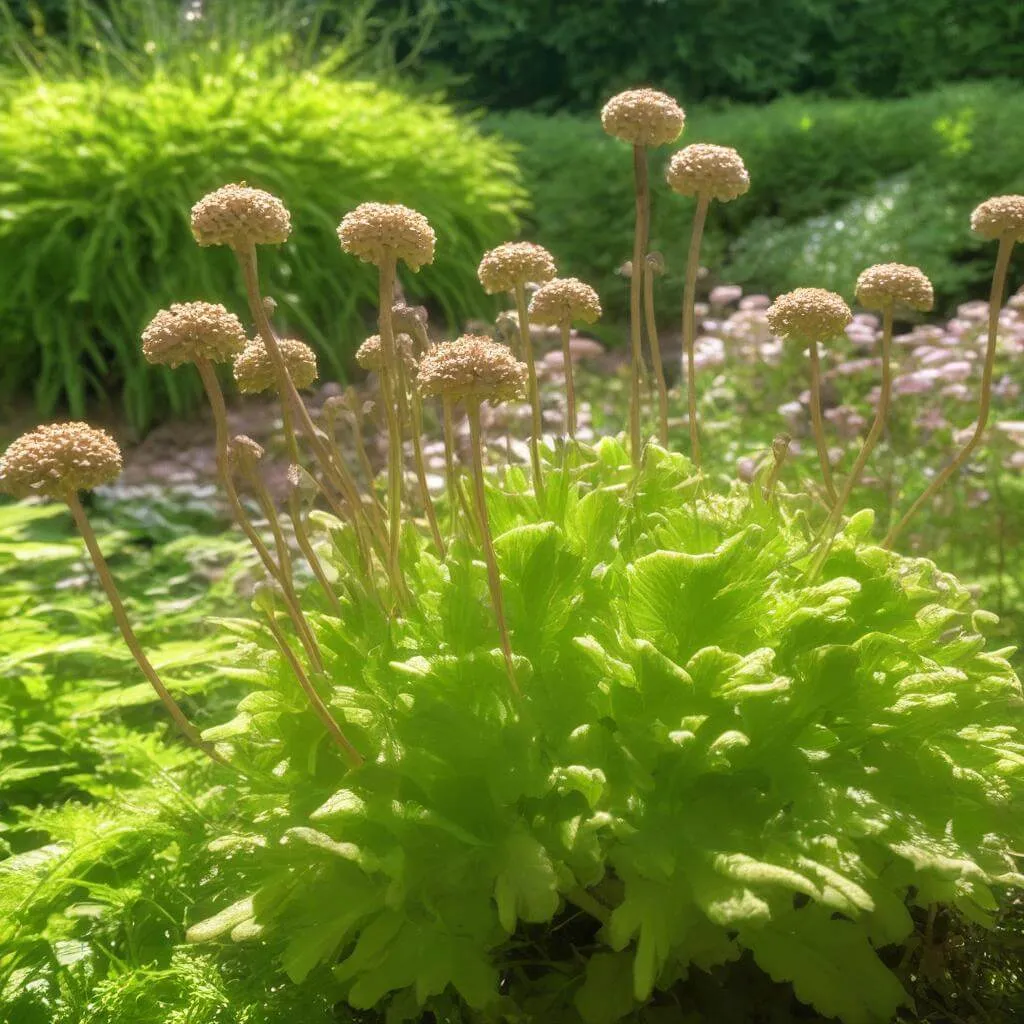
99	174
712	755
575	53
835	186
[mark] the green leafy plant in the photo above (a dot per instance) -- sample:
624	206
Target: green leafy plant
101	168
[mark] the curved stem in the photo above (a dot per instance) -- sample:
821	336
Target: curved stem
451	476
354	758
570	386
493	575
187	729
780	450
534	391
640	234
393	405
995	303
306	547
421	472
690	321
877	427
653	340
819	424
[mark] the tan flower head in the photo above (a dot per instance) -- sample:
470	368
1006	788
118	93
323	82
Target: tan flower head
564	300
370	355
240	216
812	314
515	263
701	169
189	331
643	117
58	457
244	453
254	369
1000	216
894	284
378	231
473	368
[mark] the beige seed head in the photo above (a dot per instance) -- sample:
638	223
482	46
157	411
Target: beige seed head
370	355
473	368
254	369
894	284
244	453
58	457
515	263
190	331
378	231
643	117
564	300
811	314
240	216
1000	217
715	171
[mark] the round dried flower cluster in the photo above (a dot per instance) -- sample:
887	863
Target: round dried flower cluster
254	369
515	263
473	368
370	355
703	169
378	231
812	314
894	283
564	300
240	216
1000	216
190	331
58	457
643	117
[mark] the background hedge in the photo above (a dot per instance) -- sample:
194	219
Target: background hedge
835	186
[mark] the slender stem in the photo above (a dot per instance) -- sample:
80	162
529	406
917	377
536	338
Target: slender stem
818	424
306	547
570	387
451	476
288	423
534	391
421	471
389	380
354	758
187	729
652	338
640	234
587	903
995	303
780	450
690	321
493	576
877	427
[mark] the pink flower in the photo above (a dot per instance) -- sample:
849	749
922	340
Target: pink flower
746	468
956	371
916	383
725	294
959	392
755	302
976	310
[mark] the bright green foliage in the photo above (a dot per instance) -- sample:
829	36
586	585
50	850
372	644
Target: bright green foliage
712	755
100	172
835	186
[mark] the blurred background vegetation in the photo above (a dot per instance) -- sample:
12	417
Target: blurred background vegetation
870	130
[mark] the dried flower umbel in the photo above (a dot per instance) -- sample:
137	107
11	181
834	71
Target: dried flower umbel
811	315
473	370
383	234
705	172
509	268
559	303
254	369
641	117
1001	219
58	460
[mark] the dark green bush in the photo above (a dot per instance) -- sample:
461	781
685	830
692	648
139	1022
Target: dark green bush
99	171
576	52
835	186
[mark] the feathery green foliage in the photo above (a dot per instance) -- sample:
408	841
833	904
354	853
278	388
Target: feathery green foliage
711	756
101	168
